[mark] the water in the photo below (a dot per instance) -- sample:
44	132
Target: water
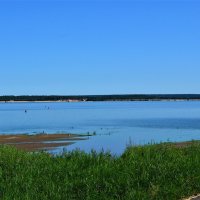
116	124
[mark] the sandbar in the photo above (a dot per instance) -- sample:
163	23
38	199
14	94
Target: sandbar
39	141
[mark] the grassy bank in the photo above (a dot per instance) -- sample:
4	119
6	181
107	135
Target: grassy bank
150	172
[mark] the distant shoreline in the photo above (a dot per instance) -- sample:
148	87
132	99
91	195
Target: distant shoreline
138	100
100	98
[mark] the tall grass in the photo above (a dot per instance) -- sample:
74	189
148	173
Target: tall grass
149	172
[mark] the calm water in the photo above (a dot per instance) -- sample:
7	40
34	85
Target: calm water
116	124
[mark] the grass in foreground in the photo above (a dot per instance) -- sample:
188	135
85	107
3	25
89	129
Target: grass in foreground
149	172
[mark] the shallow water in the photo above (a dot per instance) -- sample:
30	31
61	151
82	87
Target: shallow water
115	124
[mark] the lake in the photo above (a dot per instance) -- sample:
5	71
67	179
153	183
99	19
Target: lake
115	124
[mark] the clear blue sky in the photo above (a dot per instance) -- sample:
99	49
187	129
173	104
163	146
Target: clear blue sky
99	47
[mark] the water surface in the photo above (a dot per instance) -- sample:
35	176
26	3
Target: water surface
115	124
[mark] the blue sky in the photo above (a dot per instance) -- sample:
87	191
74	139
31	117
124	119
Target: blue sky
99	47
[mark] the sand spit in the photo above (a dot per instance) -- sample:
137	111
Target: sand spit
39	141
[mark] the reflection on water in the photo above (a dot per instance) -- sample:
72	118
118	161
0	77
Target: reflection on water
115	124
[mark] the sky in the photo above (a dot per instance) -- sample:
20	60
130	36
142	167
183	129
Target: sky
99	47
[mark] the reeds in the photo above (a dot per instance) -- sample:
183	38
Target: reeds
161	171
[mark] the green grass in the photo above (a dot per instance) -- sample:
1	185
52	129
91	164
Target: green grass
148	172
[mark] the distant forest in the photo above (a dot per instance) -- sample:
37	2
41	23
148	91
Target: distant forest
128	97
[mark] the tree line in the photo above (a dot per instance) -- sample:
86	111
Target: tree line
128	97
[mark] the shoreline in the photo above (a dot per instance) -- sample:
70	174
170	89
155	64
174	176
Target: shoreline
77	101
45	141
39	141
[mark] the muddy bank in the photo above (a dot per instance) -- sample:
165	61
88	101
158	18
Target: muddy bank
39	141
